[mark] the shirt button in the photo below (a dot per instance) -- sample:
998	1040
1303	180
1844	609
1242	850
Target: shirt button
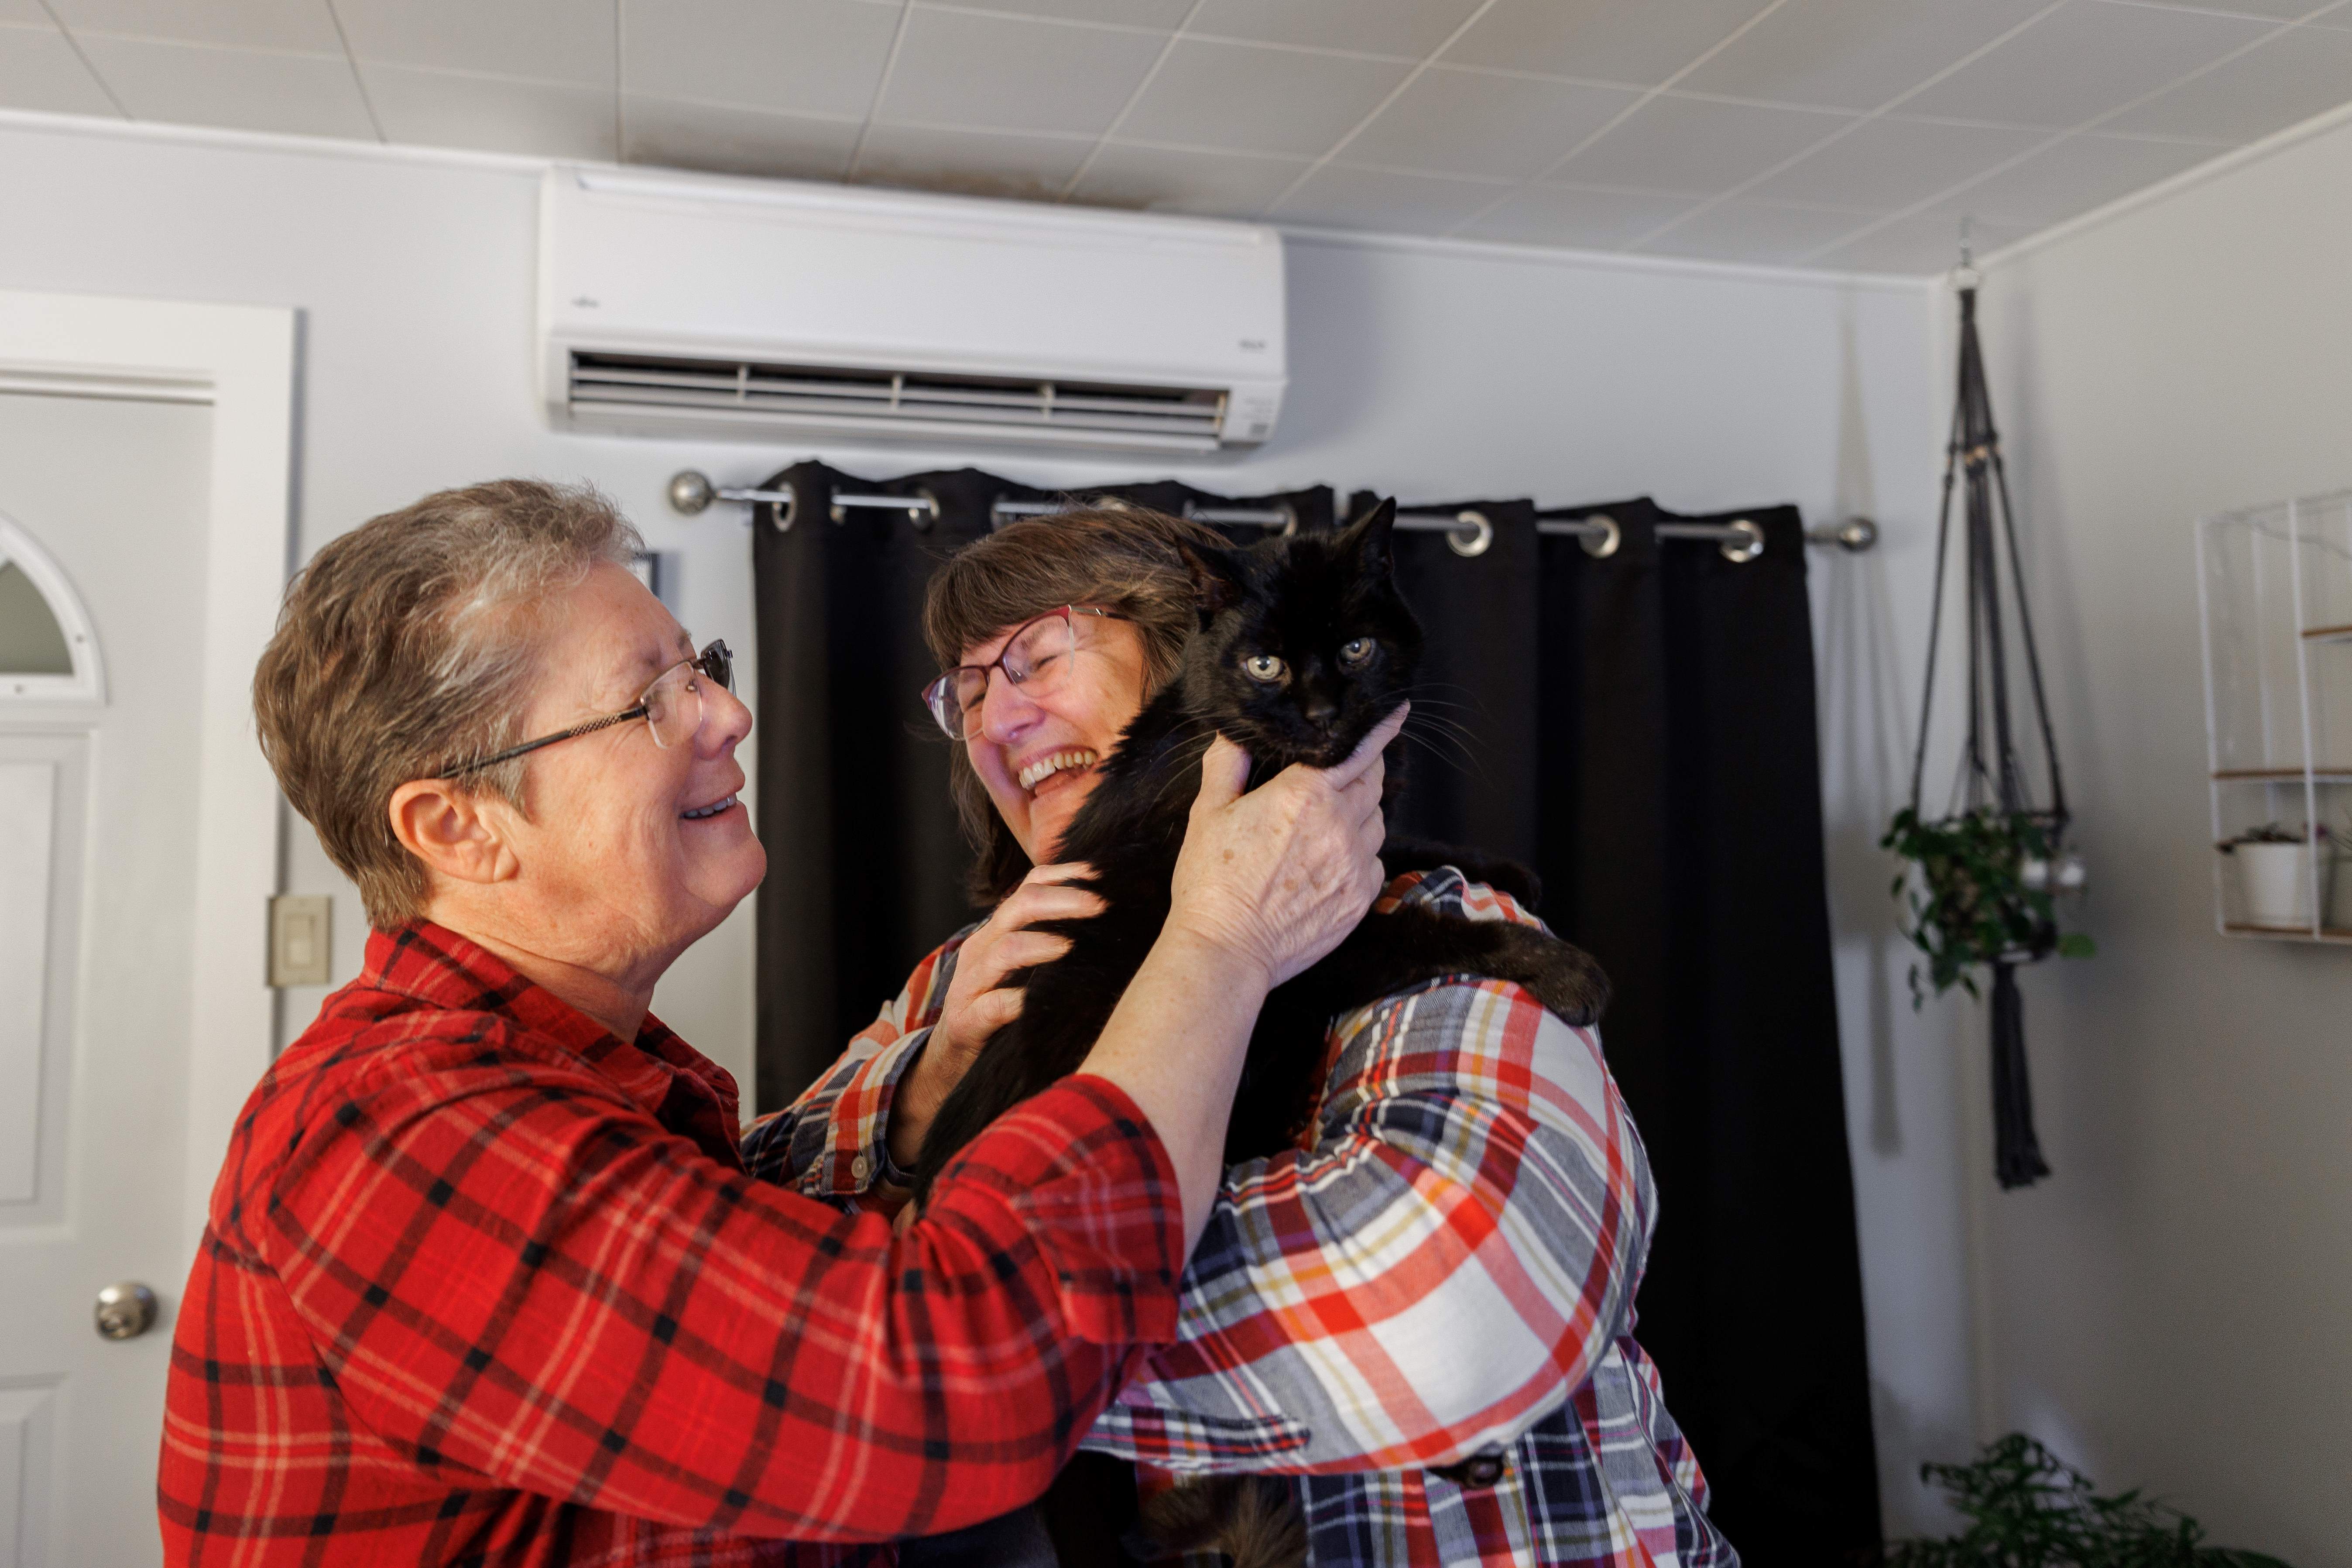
1484	1470
859	1167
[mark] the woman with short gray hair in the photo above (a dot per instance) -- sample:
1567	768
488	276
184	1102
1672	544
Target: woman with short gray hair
484	1279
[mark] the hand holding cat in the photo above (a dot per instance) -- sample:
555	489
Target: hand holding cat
1281	874
979	1002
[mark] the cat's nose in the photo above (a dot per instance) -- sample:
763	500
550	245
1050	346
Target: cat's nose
1321	711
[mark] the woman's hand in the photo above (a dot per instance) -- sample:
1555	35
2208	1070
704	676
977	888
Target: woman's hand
1280	875
979	1002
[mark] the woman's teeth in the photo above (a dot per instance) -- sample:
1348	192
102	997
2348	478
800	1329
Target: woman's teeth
713	809
1036	772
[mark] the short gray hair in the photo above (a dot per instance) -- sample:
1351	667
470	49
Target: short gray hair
408	647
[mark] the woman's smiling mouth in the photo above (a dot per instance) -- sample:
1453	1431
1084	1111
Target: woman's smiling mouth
1047	766
713	809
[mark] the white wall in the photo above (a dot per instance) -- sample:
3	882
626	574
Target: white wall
2172	1307
1430	370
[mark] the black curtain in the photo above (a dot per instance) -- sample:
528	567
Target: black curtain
866	862
1640	729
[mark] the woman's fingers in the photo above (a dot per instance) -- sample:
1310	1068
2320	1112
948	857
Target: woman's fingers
1368	751
1225	769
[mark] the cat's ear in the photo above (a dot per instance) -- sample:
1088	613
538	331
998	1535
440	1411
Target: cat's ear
1216	578
1371	538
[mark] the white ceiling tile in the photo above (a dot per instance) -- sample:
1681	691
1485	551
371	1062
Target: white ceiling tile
2081	61
1161	179
446	109
1887	162
534	40
1613	40
1593	220
970	162
1450	121
24	13
1160	15
38	70
722	139
251	89
807	56
1010	74
255	23
1696	145
1756	231
1853	54
1338	196
1406	28
2270	86
1927	244
1258	100
2082	172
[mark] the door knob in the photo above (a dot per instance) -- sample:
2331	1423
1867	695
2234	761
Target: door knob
126	1309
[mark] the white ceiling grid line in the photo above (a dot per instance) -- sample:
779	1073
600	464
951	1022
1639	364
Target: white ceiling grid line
881	86
359	81
83	55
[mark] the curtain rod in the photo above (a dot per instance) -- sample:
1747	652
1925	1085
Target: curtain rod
1468	533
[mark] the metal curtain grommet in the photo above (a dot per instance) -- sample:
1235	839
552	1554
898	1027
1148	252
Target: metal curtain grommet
780	513
928	515
1602	536
1476	538
1748	546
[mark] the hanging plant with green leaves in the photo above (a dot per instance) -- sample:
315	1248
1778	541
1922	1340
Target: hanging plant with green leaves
1978	895
1981	894
2027	1509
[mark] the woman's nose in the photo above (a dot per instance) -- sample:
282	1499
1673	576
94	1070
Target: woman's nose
726	720
1004	708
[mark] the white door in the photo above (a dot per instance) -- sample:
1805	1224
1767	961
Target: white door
116	1048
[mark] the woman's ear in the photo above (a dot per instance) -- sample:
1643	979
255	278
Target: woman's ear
457	834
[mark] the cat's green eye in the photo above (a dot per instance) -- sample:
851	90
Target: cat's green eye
1263	666
1357	653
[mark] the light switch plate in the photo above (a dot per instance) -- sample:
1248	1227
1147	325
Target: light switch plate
301	931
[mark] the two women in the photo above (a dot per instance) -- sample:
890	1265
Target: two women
484	1279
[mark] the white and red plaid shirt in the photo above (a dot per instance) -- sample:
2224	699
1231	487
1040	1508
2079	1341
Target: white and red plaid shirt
1441	1283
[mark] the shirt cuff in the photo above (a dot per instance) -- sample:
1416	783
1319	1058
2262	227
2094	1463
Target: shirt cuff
846	1151
1085	1178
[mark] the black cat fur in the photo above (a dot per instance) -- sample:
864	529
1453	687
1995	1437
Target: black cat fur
1302	599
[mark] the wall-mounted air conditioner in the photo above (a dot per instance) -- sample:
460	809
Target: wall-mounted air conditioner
674	305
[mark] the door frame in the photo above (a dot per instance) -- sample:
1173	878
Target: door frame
240	359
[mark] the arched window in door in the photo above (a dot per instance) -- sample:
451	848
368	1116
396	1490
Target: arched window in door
48	652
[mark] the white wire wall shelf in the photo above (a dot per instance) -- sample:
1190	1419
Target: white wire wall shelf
2274	598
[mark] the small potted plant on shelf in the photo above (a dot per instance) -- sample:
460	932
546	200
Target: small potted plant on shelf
1983	894
2279	868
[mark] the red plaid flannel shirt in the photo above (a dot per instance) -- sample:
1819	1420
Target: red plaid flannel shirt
484	1283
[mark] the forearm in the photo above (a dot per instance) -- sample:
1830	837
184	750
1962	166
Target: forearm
1175	1044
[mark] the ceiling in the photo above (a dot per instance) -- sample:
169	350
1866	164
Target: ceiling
1839	134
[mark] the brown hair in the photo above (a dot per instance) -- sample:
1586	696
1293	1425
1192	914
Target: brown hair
409	644
1125	559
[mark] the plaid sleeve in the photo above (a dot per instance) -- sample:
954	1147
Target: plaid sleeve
510	1272
833	1141
1440	1271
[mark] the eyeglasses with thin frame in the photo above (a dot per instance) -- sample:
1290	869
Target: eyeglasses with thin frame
1037	657
671	706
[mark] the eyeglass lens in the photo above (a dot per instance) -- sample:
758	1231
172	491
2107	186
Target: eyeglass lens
674	703
1037	660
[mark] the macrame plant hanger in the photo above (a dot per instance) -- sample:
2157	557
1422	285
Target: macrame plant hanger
1992	776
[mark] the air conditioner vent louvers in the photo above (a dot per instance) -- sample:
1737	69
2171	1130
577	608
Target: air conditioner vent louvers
878	399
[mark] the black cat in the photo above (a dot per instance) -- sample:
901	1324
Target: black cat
1305	645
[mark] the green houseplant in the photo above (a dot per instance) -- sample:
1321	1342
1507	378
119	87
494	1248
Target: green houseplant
2027	1509
1977	898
